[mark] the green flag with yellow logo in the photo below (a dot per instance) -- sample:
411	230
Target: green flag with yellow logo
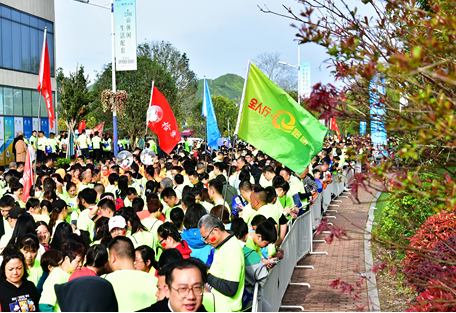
273	122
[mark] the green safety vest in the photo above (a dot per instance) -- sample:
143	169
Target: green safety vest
33	141
96	141
42	141
83	141
108	148
152	145
53	143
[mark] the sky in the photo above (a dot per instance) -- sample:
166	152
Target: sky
219	37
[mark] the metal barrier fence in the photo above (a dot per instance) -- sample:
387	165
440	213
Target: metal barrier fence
297	244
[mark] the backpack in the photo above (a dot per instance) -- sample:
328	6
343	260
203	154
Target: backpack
230	194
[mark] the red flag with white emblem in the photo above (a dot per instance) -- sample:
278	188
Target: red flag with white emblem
161	120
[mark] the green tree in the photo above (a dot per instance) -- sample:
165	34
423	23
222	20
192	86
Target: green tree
178	66
91	122
138	85
407	49
225	110
74	96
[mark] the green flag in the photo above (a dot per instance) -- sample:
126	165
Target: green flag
273	122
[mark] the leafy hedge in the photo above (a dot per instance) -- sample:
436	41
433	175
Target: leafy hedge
61	162
404	215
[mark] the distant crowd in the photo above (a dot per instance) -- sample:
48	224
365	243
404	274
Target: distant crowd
193	231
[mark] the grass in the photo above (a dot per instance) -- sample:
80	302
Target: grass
381	204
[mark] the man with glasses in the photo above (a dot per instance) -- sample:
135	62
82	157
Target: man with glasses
185	280
227	273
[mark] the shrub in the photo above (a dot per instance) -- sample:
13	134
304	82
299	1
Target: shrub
402	217
439	295
434	241
405	213
62	162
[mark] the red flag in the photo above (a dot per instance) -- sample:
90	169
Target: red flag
98	129
82	125
335	127
44	82
27	178
161	120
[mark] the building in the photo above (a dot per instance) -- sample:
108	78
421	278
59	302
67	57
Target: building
22	24
304	80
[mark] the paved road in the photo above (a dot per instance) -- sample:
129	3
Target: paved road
345	261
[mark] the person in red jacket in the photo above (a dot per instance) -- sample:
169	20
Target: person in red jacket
169	238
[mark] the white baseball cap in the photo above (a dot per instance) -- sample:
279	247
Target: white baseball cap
116	221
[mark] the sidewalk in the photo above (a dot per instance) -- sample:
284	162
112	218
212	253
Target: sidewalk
344	261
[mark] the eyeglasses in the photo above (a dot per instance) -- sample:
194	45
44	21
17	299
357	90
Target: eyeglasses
184	291
204	239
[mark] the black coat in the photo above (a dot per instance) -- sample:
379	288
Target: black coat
162	306
12	299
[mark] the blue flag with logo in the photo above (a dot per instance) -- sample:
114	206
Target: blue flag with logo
212	131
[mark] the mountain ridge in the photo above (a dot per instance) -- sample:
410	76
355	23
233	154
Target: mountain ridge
229	86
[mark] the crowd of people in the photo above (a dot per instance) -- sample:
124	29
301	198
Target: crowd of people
194	231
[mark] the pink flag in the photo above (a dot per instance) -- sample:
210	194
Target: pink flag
27	177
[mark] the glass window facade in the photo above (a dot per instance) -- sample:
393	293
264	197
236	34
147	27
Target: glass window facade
21	40
22	102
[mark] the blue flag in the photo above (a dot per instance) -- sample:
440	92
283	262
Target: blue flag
212	131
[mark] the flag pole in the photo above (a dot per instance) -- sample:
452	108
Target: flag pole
39	103
241	105
205	126
150	104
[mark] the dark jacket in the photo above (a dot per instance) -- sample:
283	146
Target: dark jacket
256	173
17	299
309	183
87	294
162	306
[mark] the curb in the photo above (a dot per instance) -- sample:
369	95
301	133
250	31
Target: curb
372	292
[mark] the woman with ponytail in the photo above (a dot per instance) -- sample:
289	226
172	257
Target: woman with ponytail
58	215
169	238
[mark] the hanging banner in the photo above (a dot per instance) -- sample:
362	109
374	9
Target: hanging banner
304	80
362	128
28	128
45	126
35	125
2	142
18	125
9	138
377	111
125	34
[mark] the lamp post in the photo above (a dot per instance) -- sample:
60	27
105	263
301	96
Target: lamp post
114	112
299	69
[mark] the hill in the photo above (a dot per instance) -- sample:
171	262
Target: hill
229	86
